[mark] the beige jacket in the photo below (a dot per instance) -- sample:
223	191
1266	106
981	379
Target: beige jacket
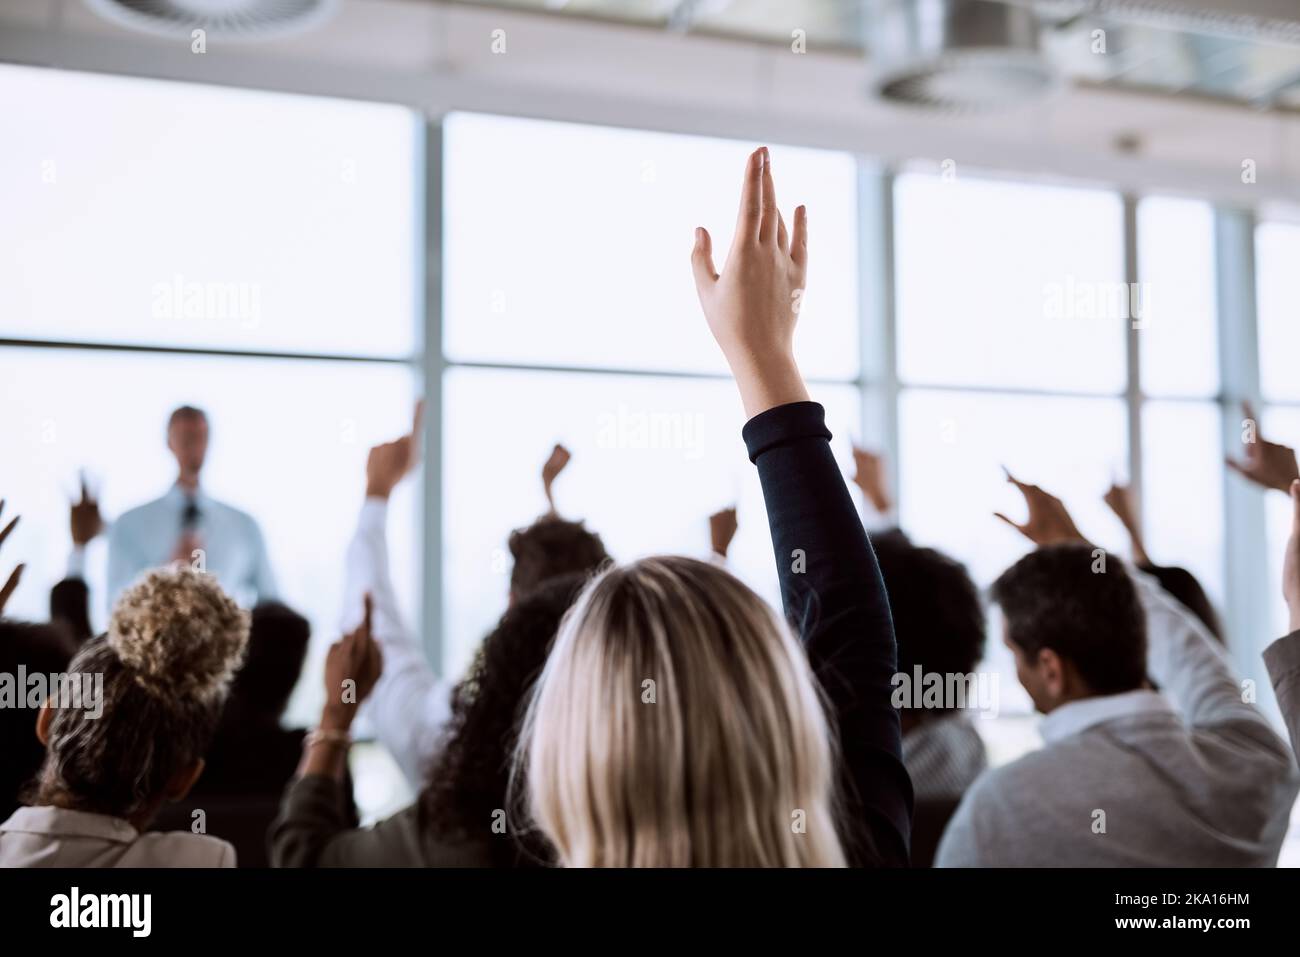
54	837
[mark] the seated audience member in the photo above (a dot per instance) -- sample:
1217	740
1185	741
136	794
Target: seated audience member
252	757
670	671
939	622
37	650
159	678
1123	779
462	816
411	705
940	627
1282	657
1178	582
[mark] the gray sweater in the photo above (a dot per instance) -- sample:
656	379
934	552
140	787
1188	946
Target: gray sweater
1282	658
1126	781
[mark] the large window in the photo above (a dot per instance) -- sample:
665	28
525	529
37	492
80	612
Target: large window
141	218
567	247
1015	325
1277	251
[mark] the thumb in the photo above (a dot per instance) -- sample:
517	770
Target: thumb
702	259
1016	525
1295	502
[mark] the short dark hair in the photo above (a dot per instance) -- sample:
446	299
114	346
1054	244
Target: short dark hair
1057	598
186	412
40	649
277	646
938	617
549	547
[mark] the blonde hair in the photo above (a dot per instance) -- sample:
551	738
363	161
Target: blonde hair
677	724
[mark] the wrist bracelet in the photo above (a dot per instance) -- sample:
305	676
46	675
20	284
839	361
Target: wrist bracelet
323	736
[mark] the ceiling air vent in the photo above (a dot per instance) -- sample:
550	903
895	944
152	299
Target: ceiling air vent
220	19
956	55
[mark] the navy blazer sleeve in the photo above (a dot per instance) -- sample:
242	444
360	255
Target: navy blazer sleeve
834	596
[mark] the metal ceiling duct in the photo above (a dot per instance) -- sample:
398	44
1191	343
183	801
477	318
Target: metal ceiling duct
956	55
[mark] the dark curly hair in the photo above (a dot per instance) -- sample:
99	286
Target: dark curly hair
469	782
550	547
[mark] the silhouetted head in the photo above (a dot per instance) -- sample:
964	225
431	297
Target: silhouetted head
938	617
277	647
551	547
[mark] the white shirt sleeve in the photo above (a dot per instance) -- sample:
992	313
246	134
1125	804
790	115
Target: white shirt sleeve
1190	666
410	705
77	562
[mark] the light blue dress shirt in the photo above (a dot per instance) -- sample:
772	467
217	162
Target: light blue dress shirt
232	543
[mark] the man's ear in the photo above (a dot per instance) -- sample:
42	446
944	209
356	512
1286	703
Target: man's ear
1052	671
183	780
44	718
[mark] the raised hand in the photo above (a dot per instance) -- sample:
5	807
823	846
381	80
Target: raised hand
722	529
869	475
752	306
1120	500
1265	463
1049	522
353	665
390	462
553	466
12	583
85	519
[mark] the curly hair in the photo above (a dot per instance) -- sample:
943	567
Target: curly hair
550	547
174	641
468	785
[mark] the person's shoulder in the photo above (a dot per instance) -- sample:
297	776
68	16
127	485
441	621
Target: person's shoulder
1023	778
140	513
233	513
181	849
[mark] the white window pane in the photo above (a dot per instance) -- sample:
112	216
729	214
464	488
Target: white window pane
140	211
570	245
953	447
1182	503
652	458
1179	336
288	446
1009	285
1277	251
